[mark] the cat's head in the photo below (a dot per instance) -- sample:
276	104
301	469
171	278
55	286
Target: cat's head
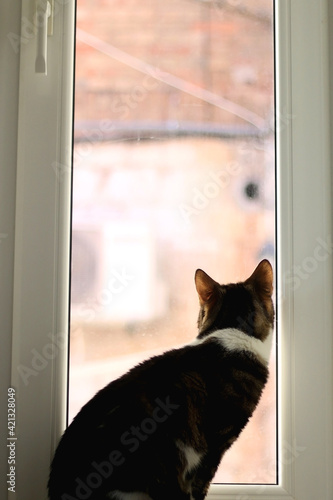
247	305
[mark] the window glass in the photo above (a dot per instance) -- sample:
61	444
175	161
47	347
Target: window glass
174	170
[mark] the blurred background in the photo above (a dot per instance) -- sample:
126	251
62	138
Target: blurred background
174	170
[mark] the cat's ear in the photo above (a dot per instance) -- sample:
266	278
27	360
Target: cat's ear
262	279
206	287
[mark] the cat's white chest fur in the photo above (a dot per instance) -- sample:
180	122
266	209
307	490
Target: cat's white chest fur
192	457
236	340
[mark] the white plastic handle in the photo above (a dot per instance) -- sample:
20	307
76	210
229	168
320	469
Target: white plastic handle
43	12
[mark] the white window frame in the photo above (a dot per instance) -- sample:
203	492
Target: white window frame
304	302
41	244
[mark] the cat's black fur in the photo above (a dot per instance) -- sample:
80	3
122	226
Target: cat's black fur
161	430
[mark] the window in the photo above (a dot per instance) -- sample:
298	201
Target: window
174	169
304	256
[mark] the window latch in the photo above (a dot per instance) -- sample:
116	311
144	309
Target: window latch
44	23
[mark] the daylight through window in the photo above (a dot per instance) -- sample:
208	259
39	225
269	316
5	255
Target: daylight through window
174	170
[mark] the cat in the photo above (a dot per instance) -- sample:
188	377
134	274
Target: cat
160	431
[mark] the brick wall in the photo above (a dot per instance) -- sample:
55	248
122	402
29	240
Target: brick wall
201	43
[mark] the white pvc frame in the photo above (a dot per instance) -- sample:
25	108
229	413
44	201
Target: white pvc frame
42	242
305	278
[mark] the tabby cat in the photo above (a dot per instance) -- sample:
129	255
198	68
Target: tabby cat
159	431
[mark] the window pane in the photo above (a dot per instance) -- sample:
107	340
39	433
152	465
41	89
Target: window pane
174	161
